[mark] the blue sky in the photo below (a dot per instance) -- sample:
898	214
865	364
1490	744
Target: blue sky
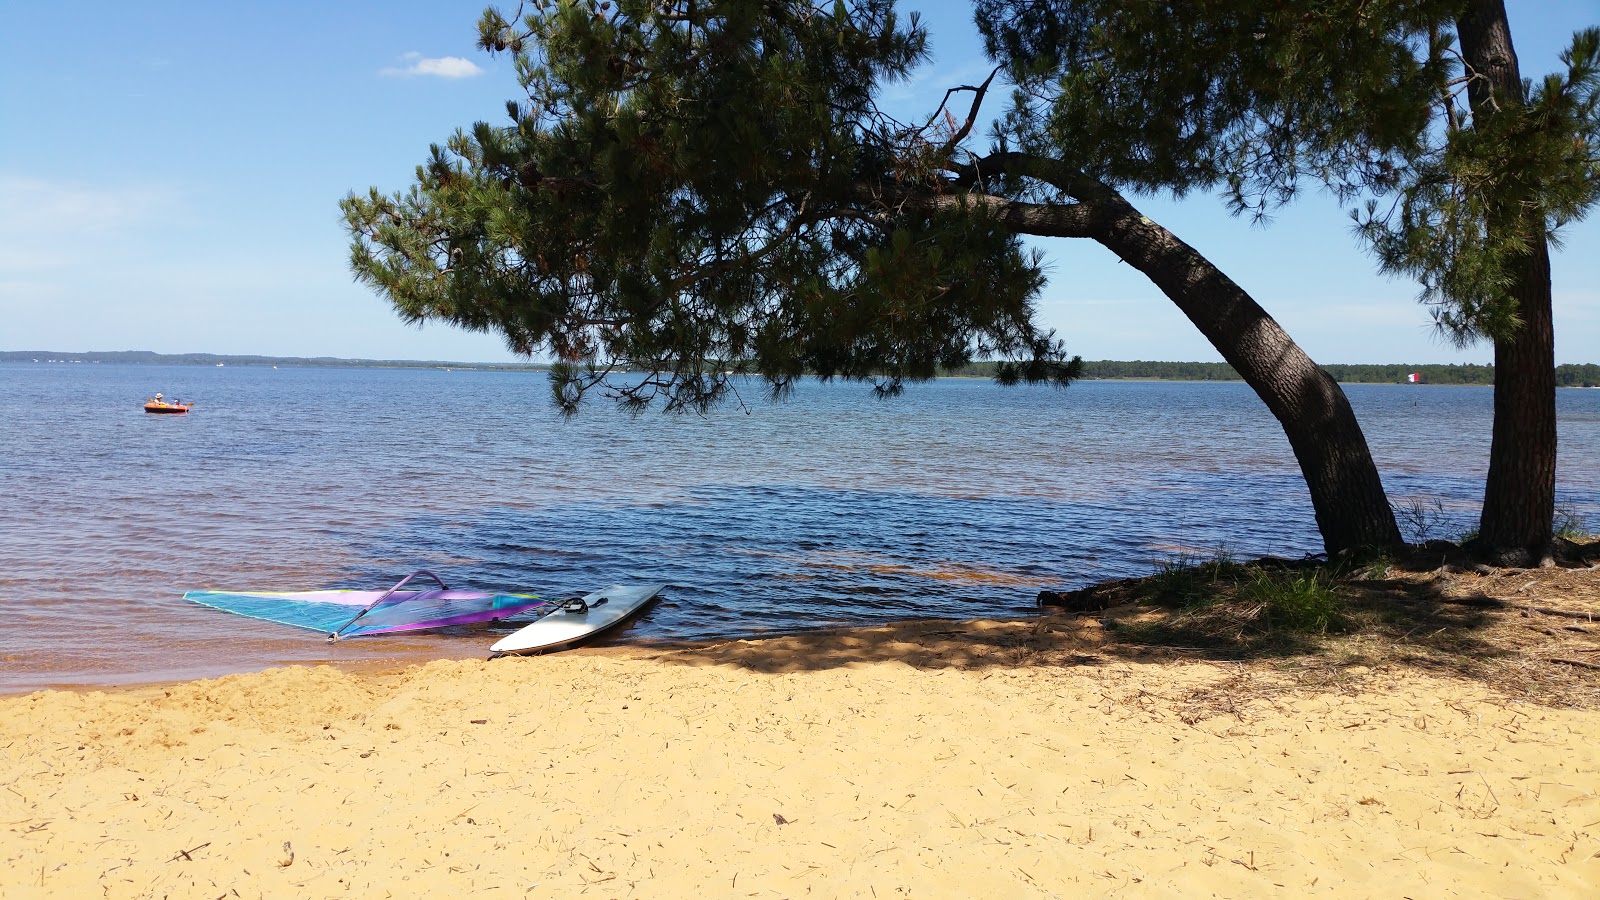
170	175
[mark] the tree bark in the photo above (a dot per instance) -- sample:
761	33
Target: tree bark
1516	528
1519	493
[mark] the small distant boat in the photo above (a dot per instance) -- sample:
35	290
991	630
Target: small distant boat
161	406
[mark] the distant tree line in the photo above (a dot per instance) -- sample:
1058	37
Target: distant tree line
1569	375
147	357
1586	375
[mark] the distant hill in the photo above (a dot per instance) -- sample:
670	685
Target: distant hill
146	357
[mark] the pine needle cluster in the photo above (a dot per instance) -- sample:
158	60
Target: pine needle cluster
691	191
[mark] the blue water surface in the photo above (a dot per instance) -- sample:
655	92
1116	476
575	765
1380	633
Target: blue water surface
959	499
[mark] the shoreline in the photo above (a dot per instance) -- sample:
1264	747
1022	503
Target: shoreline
203	360
1023	758
397	653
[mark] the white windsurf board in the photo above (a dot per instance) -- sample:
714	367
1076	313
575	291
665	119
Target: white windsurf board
571	623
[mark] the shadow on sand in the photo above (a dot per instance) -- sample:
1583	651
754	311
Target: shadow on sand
1528	634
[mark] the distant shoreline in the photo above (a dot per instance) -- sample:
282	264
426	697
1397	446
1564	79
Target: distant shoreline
1567	374
146	357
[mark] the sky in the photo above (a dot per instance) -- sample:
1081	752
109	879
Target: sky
170	174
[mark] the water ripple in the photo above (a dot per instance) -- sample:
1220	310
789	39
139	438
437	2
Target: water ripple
960	499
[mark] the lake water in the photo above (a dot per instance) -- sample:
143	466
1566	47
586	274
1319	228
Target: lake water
960	499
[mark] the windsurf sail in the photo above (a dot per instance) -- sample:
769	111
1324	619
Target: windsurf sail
343	614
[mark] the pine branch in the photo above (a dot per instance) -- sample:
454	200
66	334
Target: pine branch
1073	220
972	115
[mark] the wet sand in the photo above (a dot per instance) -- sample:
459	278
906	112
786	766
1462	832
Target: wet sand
919	760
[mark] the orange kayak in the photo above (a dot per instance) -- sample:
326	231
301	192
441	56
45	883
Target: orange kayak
157	407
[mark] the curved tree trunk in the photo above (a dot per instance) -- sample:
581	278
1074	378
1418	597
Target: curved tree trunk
1352	509
1347	495
1519	493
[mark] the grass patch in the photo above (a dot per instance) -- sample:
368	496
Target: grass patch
1298	602
1529	634
1271	598
1419	517
1189	582
1234	609
1569	525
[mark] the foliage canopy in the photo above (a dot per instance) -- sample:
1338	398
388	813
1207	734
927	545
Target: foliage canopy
1484	189
1248	95
1366	97
692	190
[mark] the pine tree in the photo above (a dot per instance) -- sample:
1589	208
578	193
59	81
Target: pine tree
1477	210
699	189
1472	171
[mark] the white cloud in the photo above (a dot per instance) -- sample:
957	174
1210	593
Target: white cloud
440	66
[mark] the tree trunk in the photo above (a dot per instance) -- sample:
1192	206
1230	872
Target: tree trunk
1347	495
1519	494
1352	509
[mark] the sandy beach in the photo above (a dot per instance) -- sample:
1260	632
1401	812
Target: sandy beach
930	759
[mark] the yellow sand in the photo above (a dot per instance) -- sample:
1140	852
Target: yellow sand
849	776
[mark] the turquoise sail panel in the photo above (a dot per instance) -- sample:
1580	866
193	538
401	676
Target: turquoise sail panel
329	611
283	609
